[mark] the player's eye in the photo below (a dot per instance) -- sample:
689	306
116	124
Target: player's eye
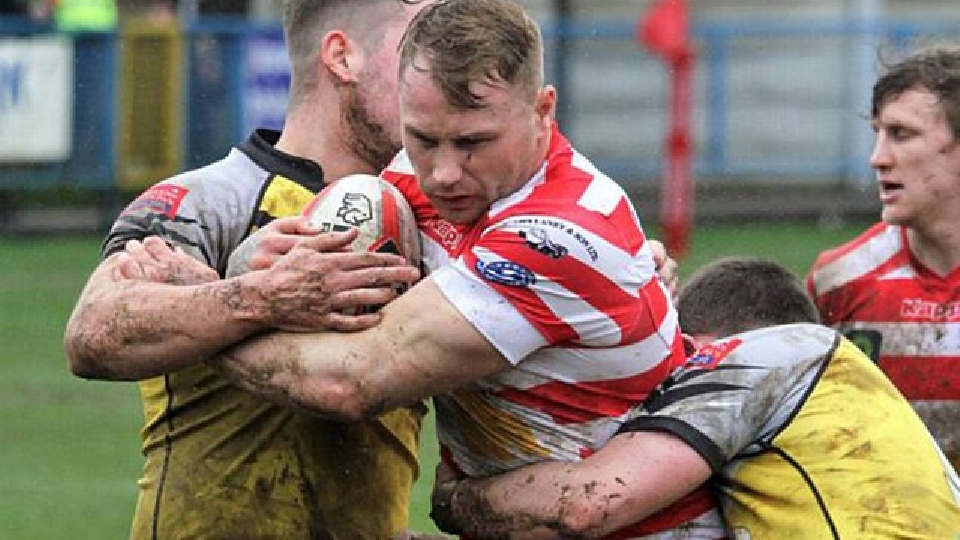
899	133
421	140
469	143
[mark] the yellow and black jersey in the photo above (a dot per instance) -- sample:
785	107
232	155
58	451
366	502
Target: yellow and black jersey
224	463
807	439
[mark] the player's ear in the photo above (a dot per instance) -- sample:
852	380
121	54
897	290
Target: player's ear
546	106
338	56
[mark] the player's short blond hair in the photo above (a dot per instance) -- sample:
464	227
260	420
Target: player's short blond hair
459	42
306	21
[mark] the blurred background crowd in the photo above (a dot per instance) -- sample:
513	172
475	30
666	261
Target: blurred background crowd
104	97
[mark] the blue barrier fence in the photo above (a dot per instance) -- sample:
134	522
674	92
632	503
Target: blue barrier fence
774	99
94	96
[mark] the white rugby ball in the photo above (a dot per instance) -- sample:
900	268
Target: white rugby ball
375	207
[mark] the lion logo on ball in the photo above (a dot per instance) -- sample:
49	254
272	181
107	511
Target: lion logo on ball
356	210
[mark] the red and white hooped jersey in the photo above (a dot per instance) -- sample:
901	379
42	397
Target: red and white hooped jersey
559	278
904	316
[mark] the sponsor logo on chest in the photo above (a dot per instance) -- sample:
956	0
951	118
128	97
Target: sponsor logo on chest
920	309
444	233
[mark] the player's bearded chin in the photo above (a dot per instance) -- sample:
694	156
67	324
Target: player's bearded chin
366	136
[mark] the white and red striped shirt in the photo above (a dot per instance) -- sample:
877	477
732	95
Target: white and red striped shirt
559	278
906	317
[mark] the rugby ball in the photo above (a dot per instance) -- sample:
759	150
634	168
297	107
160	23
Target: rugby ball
375	207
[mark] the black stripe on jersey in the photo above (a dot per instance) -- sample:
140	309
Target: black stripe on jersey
689	373
809	481
261	148
708	450
260	218
802	399
156	225
167	450
153	225
128	229
662	400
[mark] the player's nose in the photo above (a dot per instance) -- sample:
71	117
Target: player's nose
448	168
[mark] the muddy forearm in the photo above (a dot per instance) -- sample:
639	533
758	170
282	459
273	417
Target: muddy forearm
128	329
310	371
507	506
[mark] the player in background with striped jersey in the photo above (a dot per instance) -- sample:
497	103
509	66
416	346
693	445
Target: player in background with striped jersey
799	433
541	326
895	289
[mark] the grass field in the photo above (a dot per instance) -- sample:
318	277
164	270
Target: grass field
69	454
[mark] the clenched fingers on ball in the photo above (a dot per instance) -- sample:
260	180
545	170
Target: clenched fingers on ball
327	263
306	285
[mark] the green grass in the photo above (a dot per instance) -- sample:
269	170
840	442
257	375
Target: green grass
69	456
70	448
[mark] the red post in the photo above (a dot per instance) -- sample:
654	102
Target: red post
677	193
664	29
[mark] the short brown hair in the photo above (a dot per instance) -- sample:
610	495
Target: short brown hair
935	69
467	41
305	22
736	294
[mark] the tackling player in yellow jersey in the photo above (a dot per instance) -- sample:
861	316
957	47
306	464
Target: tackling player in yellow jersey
221	462
798	432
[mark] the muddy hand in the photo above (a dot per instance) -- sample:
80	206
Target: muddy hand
262	248
314	284
152	259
